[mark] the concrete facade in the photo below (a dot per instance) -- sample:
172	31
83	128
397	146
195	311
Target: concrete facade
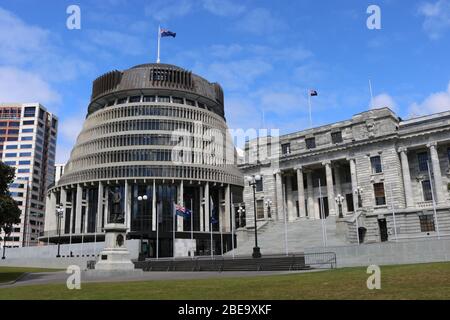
372	169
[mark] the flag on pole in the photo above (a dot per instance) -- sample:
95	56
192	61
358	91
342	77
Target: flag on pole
313	93
167	33
182	211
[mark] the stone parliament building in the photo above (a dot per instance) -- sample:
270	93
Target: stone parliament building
368	173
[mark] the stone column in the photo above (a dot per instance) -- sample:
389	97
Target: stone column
78	209
202	211
51	220
354	182
98	223
63	201
330	188
207	209
406	177
180	220
228	210
337	180
301	192
309	181
291	214
279	195
436	170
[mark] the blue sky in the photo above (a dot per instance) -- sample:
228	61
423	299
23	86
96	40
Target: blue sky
266	55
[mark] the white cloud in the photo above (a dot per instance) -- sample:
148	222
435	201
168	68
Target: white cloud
118	41
17	85
434	103
223	7
384	100
68	131
164	10
437	17
260	21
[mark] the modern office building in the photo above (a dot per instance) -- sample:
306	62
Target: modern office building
154	130
373	172
28	142
59	171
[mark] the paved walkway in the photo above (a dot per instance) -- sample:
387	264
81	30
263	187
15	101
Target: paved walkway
61	277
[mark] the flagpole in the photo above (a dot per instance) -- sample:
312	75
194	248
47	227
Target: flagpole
393	212
192	229
285	221
232	223
210	226
159	44
157	232
174	216
309	105
371	93
434	202
322	213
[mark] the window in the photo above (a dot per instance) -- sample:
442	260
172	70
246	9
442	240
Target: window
122	100
422	158
426	188
135	99
190	102
29	130
448	154
349	201
11	147
23	170
163	99
336	137
380	198
27	138
259	209
14	124
10	163
376	164
426	223
12	139
286	148
149	99
13	131
111	103
294	182
177	100
10	155
25	154
310	143
28	122
259	185
26	146
24	162
29	112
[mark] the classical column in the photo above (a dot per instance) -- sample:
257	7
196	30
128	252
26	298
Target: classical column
435	166
354	182
98	223
202	210
309	181
330	188
279	194
128	205
207	209
288	194
63	200
301	192
51	220
78	209
228	210
337	180
406	177
180	220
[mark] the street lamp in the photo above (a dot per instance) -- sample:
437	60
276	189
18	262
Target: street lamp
241	212
140	199
268	205
252	181
358	193
59	214
339	200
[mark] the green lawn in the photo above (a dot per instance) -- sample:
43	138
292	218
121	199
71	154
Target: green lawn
8	274
421	281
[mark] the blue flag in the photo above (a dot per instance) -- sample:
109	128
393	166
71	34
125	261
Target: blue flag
167	33
182	211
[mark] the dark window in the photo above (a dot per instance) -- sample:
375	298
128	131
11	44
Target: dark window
111	103
294	183
349	201
190	102
259	209
149	99
422	158
14	124
135	99
29	112
426	223
163	99
336	137
380	198
426	187
54	123
310	143
376	164
13	131
177	100
259	185
28	122
286	148
122	101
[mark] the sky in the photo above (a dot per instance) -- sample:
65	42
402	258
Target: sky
265	54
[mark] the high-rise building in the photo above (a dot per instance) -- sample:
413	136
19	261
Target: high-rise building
59	171
28	143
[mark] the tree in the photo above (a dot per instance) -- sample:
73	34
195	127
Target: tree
9	211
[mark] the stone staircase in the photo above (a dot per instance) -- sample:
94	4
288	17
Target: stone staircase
301	234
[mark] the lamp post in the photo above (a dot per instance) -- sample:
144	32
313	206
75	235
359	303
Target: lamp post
140	199
59	214
241	211
268	204
252	181
339	200
358	193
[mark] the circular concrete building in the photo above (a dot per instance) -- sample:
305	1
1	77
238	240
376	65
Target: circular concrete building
159	131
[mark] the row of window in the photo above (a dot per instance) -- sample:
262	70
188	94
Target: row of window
160	99
310	143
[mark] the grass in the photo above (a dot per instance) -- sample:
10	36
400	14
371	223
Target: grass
8	274
420	281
